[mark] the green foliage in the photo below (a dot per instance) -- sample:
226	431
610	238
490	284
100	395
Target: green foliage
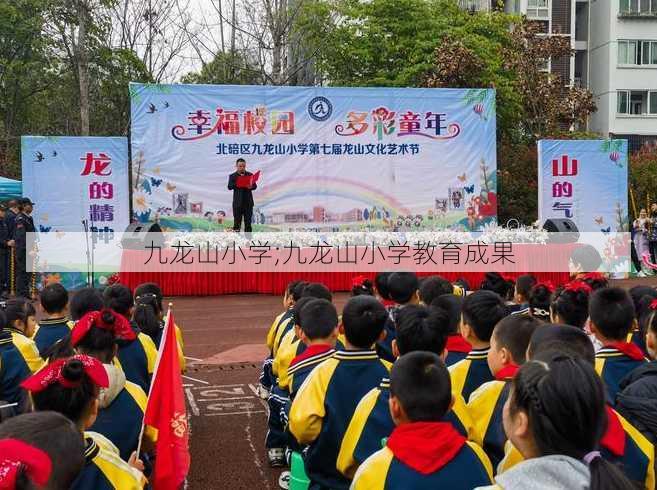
643	179
226	68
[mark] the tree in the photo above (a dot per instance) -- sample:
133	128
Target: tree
226	68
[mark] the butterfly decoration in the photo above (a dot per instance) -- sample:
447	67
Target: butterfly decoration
44	229
166	104
170	187
469	189
606	230
38	157
151	109
156	182
146	186
599	220
461	177
54	153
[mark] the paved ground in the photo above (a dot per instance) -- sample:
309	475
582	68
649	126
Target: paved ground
224	342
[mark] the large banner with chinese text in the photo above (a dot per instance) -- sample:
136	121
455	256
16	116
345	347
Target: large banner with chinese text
331	159
585	181
71	179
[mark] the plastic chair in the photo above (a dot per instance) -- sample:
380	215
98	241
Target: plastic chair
298	478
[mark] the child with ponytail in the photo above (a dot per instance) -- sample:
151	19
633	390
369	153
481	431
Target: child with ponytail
539	300
555	416
570	304
72	387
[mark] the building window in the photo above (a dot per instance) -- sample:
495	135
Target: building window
538	9
638	7
637	102
632	52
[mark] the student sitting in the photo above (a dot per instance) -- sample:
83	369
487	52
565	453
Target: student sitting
122	405
524	285
72	387
637	399
136	356
423	451
57	325
539	300
621	443
148	315
570	304
555	416
507	353
481	312
19	356
39	450
267	378
403	289
612	317
457	347
321	318
325	403
418	329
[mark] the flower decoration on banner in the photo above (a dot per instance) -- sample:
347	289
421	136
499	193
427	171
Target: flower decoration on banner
578	286
479	109
113	279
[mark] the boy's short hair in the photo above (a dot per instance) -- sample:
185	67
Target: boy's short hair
421	383
402	286
587	257
119	298
420	328
363	319
452	304
493	281
317	290
481	311
514	332
570	341
433	286
296	289
318	319
85	300
612	312
524	284
54	434
381	284
53	298
298	306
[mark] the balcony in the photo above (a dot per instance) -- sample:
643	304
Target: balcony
475	5
638	9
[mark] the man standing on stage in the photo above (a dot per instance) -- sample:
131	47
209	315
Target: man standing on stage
24	224
6	244
242	197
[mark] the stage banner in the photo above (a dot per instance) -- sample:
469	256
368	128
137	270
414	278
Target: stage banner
76	179
331	159
585	181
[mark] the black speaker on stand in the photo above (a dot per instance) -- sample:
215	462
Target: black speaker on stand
565	229
137	236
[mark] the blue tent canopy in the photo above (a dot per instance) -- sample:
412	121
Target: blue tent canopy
10	188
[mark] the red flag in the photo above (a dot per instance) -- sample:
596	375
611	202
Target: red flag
166	412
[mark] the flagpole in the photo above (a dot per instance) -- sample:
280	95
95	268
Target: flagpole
157	365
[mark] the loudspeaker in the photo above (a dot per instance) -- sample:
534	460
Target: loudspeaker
139	235
566	229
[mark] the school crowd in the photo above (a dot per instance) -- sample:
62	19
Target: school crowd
73	388
422	384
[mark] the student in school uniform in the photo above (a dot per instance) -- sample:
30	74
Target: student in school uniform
41	450
325	403
122	405
457	347
83	301
135	356
419	328
555	416
267	378
57	324
432	287
523	286
381	289
611	311
19	356
621	443
481	312
72	387
642	297
403	289
539	300
321	318
423	451
570	304
508	345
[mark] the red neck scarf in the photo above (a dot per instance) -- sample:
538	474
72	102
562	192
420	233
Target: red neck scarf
16	455
614	438
456	343
507	372
629	349
425	446
311	351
